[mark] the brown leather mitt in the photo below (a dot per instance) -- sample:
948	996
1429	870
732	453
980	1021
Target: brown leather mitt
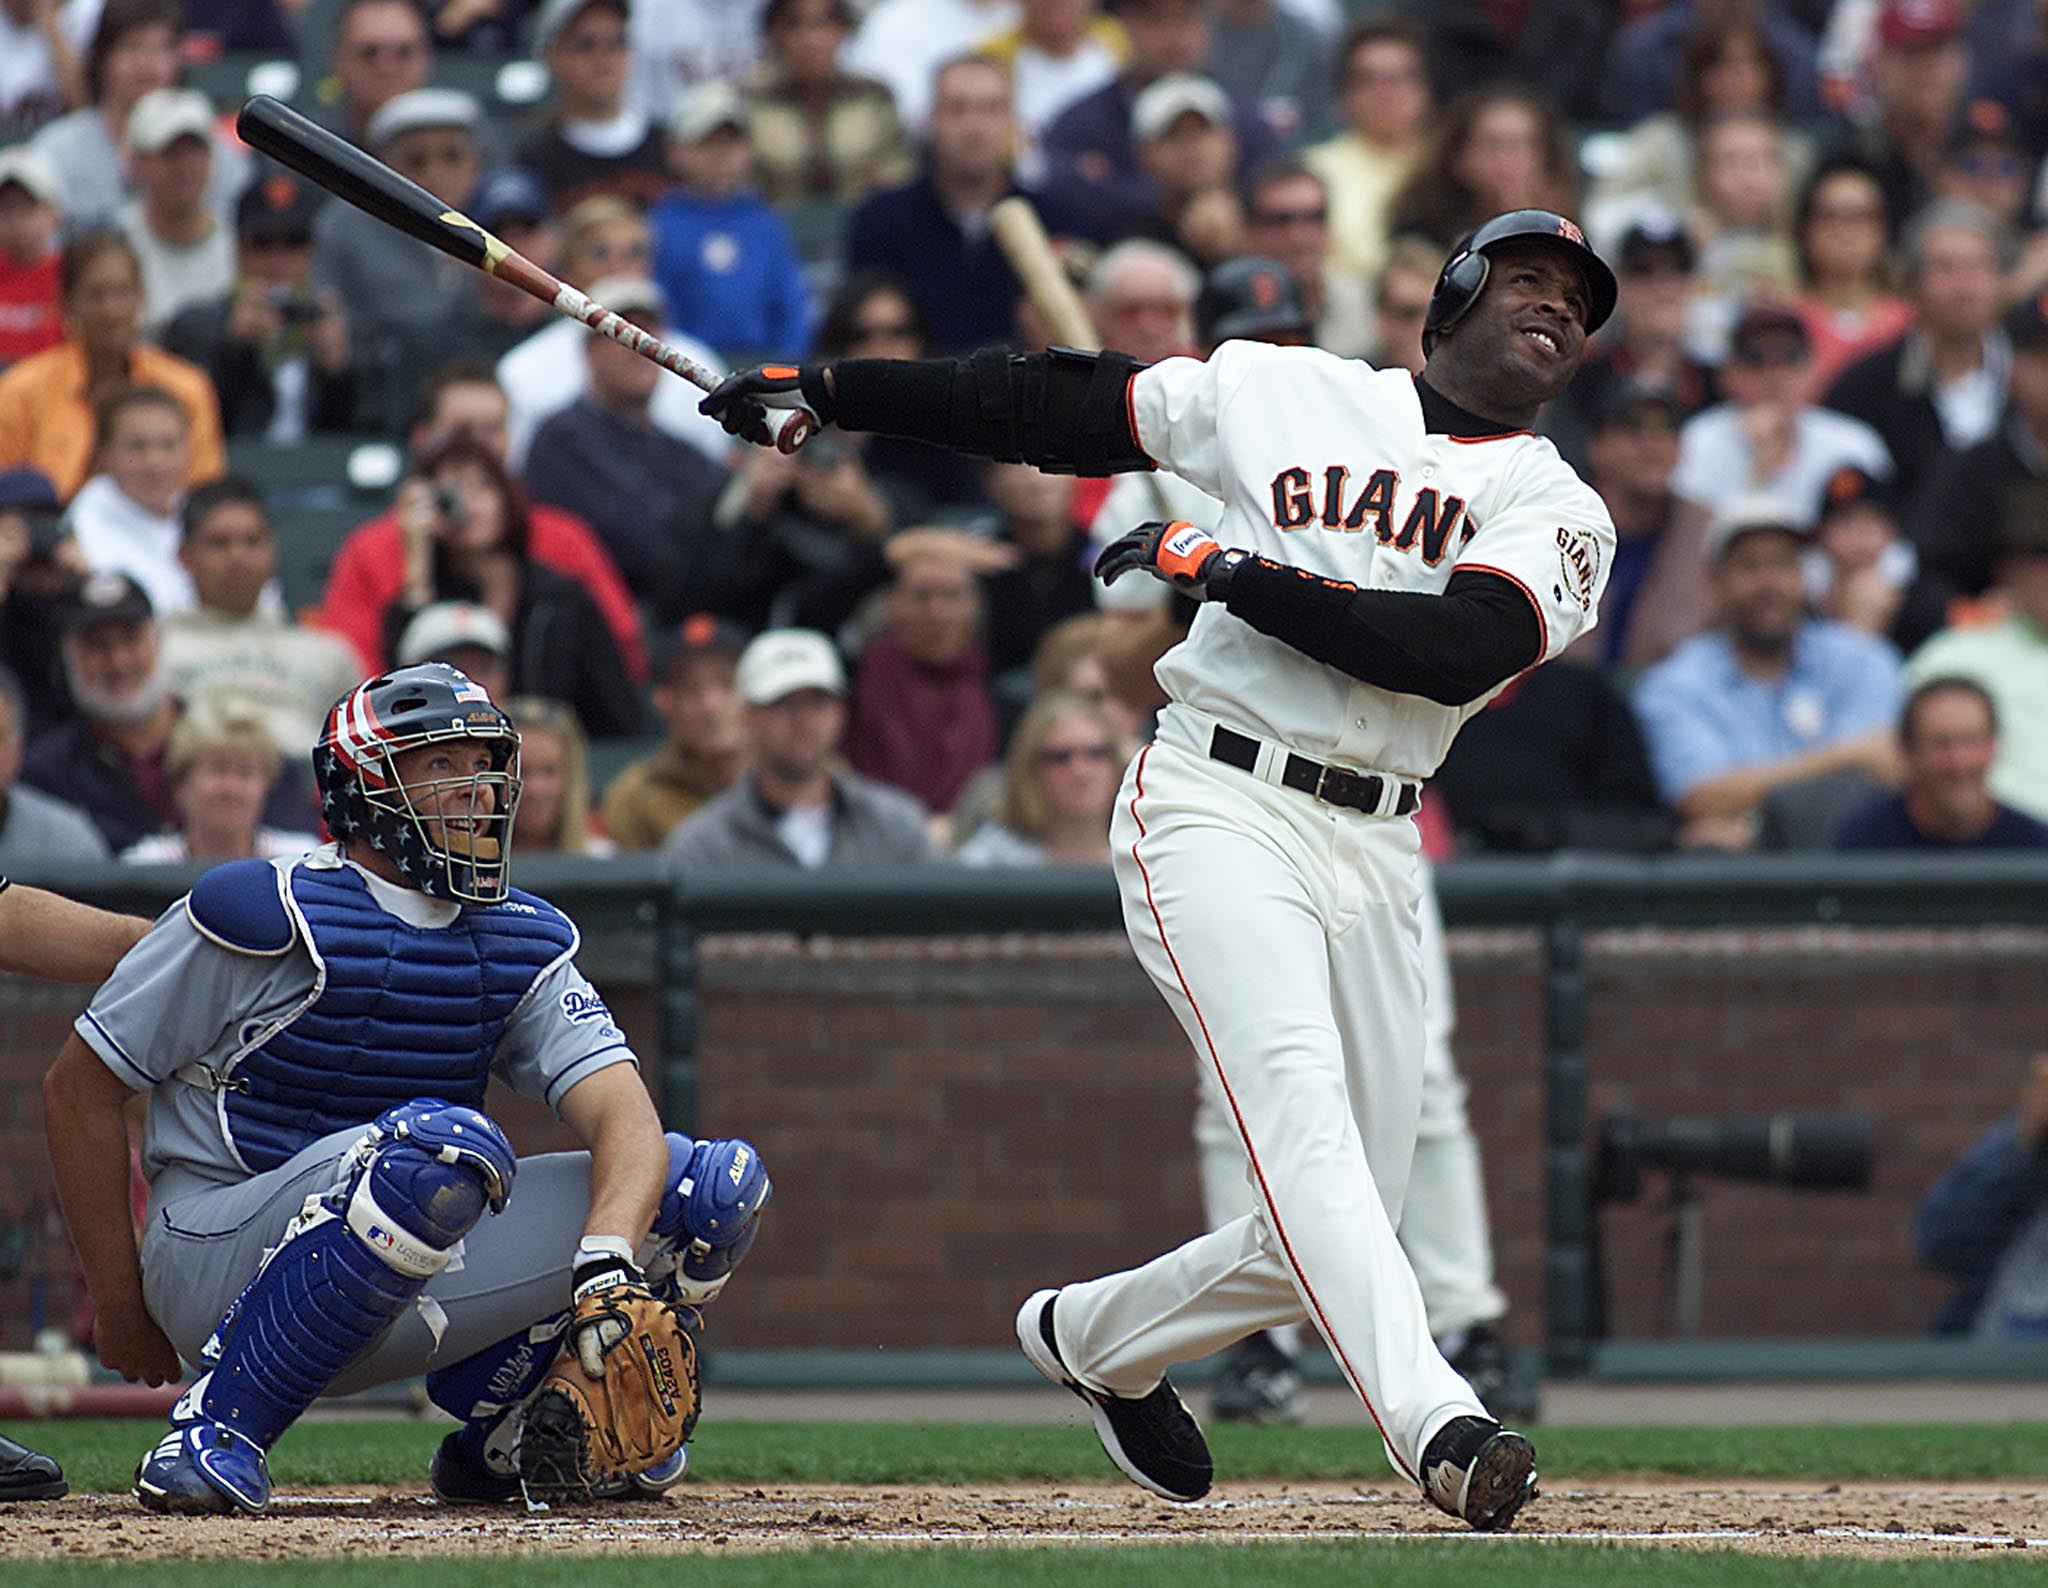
584	1435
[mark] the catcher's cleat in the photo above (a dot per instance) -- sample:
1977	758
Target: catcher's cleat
27	1474
202	1468
461	1475
1479	1472
1152	1439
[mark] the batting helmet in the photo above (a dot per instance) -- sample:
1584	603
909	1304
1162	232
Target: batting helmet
1464	274
449	836
1249	297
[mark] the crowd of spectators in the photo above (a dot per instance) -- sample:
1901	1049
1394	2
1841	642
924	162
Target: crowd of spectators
1819	416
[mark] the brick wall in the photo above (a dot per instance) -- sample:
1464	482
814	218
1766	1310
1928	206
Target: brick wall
951	1123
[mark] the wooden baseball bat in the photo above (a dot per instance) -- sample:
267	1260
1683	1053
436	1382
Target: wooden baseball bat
369	184
1021	236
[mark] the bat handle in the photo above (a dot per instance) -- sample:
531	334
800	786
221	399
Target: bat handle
797	428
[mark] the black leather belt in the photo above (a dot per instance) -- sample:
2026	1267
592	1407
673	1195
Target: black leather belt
1334	785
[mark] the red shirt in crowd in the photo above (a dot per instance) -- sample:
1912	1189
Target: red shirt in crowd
29	317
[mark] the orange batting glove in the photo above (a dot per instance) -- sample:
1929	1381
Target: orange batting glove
1183	556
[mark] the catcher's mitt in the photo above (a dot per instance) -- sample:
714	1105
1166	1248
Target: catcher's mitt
584	1436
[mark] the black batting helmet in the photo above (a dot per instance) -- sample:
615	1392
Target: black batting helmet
1249	297
458	853
1463	277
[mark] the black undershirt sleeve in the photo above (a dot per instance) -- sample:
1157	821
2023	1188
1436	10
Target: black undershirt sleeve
1450	648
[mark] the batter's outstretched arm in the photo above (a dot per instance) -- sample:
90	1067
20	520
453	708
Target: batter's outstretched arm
58	939
1066	412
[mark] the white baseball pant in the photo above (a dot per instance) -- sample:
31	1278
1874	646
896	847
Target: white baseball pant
1283	932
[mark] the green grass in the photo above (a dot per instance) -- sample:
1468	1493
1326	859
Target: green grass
101	1456
1438	1564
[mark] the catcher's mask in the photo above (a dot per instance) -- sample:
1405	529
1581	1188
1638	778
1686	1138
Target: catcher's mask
451	836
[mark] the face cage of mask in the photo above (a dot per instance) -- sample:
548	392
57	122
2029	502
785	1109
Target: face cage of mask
478	876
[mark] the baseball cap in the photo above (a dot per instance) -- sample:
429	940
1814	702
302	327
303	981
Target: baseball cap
1911	24
164	115
558	14
1249	296
510	193
1745	515
1761	319
629	295
276	204
449	625
699	634
782	661
30	172
1654	231
109	596
423	107
1173	96
2026	327
27	491
703	109
1623	397
1850	487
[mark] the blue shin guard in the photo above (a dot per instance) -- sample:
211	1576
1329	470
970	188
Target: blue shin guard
710	1213
349	1264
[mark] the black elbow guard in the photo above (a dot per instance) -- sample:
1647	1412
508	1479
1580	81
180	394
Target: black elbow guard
1065	411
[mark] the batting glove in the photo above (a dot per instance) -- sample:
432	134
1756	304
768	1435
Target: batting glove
1181	555
742	400
601	1264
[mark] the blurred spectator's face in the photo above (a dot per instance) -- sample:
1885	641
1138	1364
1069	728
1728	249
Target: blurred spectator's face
1634	453
111	668
469	408
1143	311
933	610
1078	769
28	226
1502	159
884	326
2026	384
1992	176
1956	286
1386	92
1289	220
231	555
543	787
277	259
1742	172
806	39
104	310
1055	19
381	52
443	160
1854	538
1739	78
1653	295
714	166
1768	368
1167	36
1922	85
1949	745
173	180
796	737
1037	507
148	455
1763	595
532	235
221	798
1845	229
1190	155
700	706
1400	304
619	377
480	524
141	59
1090	680
616	248
973	127
588	59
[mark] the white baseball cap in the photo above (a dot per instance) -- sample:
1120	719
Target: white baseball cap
704	108
33	174
164	115
1174	96
782	661
629	295
423	107
1758	510
449	625
558	14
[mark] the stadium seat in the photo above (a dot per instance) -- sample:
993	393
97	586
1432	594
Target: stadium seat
314	500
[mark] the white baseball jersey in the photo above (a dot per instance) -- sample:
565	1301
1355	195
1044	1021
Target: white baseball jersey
1326	466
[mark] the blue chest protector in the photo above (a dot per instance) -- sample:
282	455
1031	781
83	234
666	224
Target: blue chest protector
401	1012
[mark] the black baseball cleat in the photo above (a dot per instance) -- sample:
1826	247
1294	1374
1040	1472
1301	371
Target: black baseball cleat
1152	1440
1484	1361
461	1476
1479	1472
1258	1384
27	1474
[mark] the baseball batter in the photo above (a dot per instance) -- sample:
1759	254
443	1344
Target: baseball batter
1393	549
315	1037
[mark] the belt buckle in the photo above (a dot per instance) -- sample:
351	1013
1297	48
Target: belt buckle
1335	783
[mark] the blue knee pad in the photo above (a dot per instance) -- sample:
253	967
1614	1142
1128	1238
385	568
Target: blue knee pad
352	1261
709	1215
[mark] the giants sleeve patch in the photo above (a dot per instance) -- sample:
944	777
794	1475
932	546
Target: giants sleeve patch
1578	561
